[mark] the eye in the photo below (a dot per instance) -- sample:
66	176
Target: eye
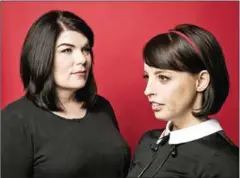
163	78
86	51
145	76
67	50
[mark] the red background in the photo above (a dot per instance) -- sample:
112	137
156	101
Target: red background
121	30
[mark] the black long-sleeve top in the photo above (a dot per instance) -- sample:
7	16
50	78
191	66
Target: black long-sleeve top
39	144
201	151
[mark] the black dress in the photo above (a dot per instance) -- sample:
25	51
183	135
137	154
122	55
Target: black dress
201	151
38	143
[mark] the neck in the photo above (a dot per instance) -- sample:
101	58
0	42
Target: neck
186	121
65	96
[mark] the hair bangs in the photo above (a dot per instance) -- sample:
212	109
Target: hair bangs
160	53
164	53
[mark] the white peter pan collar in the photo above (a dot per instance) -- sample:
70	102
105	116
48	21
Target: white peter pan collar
191	133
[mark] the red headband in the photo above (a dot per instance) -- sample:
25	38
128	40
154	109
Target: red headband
188	39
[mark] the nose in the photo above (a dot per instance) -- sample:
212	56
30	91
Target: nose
80	58
149	90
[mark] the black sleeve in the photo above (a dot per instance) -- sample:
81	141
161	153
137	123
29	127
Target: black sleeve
16	149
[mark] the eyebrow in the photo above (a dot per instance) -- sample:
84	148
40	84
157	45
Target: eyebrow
157	72
65	44
71	45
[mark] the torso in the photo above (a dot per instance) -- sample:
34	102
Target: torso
90	146
193	159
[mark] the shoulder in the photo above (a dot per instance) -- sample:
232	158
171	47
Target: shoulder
226	152
223	165
142	149
14	107
18	109
102	104
224	160
150	136
101	100
220	144
14	116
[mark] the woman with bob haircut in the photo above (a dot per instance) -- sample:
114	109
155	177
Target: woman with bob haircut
187	81
60	128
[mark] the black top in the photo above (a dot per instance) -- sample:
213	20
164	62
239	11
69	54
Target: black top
38	143
213	156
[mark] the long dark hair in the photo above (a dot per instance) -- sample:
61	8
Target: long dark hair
37	59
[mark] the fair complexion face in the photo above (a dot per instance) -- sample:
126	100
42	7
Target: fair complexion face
72	63
174	95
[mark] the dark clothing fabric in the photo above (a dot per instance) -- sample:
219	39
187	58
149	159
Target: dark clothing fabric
213	156
37	143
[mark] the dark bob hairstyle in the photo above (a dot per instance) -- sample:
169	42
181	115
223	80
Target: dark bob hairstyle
190	48
37	59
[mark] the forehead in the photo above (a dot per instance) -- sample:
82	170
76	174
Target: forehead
72	37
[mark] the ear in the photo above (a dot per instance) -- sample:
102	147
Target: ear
202	81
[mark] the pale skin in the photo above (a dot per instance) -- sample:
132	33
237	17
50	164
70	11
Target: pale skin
72	63
173	95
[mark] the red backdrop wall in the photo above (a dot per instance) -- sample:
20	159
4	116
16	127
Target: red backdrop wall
121	30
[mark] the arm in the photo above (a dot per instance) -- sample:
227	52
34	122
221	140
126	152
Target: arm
16	150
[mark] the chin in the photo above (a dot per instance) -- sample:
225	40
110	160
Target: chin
161	116
78	85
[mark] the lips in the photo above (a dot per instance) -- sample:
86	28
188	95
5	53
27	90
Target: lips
79	73
156	106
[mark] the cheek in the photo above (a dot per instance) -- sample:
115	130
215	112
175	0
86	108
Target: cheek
89	62
171	97
63	68
62	75
179	96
